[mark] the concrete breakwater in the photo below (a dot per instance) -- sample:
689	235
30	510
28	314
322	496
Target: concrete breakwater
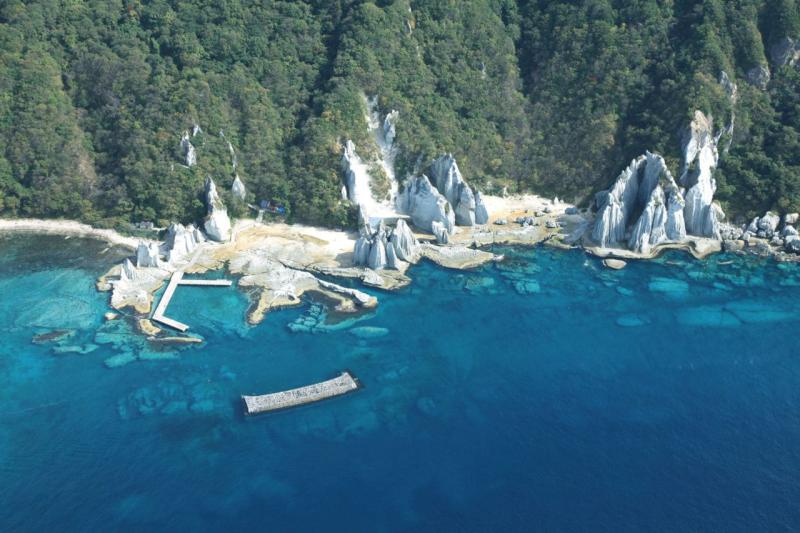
342	384
175	280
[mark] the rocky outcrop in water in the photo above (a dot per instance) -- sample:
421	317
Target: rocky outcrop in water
147	255
217	225
425	205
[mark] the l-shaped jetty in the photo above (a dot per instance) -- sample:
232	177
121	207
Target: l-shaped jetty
174	281
342	384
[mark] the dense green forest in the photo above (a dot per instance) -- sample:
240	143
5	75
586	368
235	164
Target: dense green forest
538	95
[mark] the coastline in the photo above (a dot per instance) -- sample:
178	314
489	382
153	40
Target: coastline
276	263
68	228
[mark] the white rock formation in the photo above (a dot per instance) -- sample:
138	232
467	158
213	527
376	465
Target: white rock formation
759	76
481	213
234	160
217	225
238	189
616	205
384	131
391	257
357	180
645	189
385	248
128	272
404	242
700	158
181	241
425	205
189	152
147	255
448	180
377	253
440	232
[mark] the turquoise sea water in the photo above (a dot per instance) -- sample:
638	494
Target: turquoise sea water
541	393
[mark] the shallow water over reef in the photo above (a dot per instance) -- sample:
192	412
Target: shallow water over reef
544	392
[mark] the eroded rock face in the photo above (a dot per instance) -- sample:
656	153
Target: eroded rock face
189	152
616	205
238	189
425	204
700	158
465	207
759	76
645	189
128	272
785	52
147	255
217	225
481	213
385	247
440	232
404	242
181	241
377	253
389	127
448	180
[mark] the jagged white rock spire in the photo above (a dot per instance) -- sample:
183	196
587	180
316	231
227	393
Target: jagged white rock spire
468	207
646	187
147	255
217	224
238	189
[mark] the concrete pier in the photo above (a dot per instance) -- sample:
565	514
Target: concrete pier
342	384
174	281
207	282
158	314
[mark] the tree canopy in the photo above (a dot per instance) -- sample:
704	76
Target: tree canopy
536	95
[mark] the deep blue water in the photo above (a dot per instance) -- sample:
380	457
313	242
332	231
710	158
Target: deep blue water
542	393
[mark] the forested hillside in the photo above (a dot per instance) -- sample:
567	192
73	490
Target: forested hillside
537	95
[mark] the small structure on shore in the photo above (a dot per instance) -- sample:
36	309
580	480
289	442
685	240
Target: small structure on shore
342	384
